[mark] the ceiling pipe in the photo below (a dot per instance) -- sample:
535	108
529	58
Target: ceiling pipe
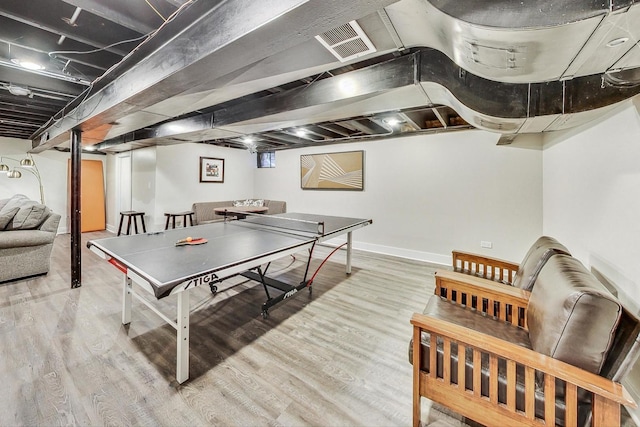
71	22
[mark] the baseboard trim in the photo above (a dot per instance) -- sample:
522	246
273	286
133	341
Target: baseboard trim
429	257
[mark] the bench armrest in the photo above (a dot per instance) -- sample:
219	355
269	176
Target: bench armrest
607	395
495	269
504	302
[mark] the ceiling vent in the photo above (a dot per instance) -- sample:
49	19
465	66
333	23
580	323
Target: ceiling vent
347	42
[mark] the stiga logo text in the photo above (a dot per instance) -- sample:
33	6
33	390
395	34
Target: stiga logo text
202	280
291	293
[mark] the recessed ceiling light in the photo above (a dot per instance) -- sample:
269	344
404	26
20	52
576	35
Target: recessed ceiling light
19	90
392	121
301	132
248	140
617	42
29	65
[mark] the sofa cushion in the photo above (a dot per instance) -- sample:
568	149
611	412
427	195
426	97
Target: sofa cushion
15	200
29	217
10	208
276	206
30	214
537	256
571	316
6	215
205	211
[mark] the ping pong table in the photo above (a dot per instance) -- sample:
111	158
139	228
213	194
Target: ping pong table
244	247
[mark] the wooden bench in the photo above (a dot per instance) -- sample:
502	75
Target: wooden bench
552	356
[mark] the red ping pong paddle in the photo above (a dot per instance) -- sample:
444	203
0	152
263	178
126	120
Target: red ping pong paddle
191	241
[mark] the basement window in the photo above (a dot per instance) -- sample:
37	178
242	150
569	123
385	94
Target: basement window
267	159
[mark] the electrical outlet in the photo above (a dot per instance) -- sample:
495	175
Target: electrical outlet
485	244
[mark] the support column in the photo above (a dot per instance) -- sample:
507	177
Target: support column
76	231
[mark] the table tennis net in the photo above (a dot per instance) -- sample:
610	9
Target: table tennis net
286	224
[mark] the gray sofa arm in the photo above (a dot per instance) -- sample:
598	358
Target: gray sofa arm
51	223
24	239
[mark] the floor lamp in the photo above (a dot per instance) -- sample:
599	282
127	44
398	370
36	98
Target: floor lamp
27	164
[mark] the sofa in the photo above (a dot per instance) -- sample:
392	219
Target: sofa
554	355
204	211
27	231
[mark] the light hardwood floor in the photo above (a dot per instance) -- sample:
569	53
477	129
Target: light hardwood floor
337	358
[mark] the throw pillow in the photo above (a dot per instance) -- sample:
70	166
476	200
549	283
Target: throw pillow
10	207
6	215
29	217
249	202
17	201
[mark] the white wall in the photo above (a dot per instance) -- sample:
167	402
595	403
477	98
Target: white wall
591	195
143	184
52	165
591	203
428	194
178	183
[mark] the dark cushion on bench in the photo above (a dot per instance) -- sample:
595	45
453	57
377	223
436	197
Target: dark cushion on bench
571	316
537	256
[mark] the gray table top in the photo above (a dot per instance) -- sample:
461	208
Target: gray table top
155	258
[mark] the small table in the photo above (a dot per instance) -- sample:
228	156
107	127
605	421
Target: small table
172	216
240	212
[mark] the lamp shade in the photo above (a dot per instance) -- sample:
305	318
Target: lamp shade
4	168
14	174
27	163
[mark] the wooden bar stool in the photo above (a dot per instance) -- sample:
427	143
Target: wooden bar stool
134	215
184	215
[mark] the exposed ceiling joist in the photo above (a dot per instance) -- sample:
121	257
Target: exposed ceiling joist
196	54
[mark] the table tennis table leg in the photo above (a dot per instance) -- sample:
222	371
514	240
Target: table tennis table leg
127	298
349	246
182	340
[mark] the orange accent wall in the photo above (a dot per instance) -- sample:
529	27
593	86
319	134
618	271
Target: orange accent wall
92	205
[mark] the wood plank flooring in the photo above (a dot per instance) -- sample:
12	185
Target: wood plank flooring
335	358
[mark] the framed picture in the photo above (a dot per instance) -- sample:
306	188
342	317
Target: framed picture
211	170
332	171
